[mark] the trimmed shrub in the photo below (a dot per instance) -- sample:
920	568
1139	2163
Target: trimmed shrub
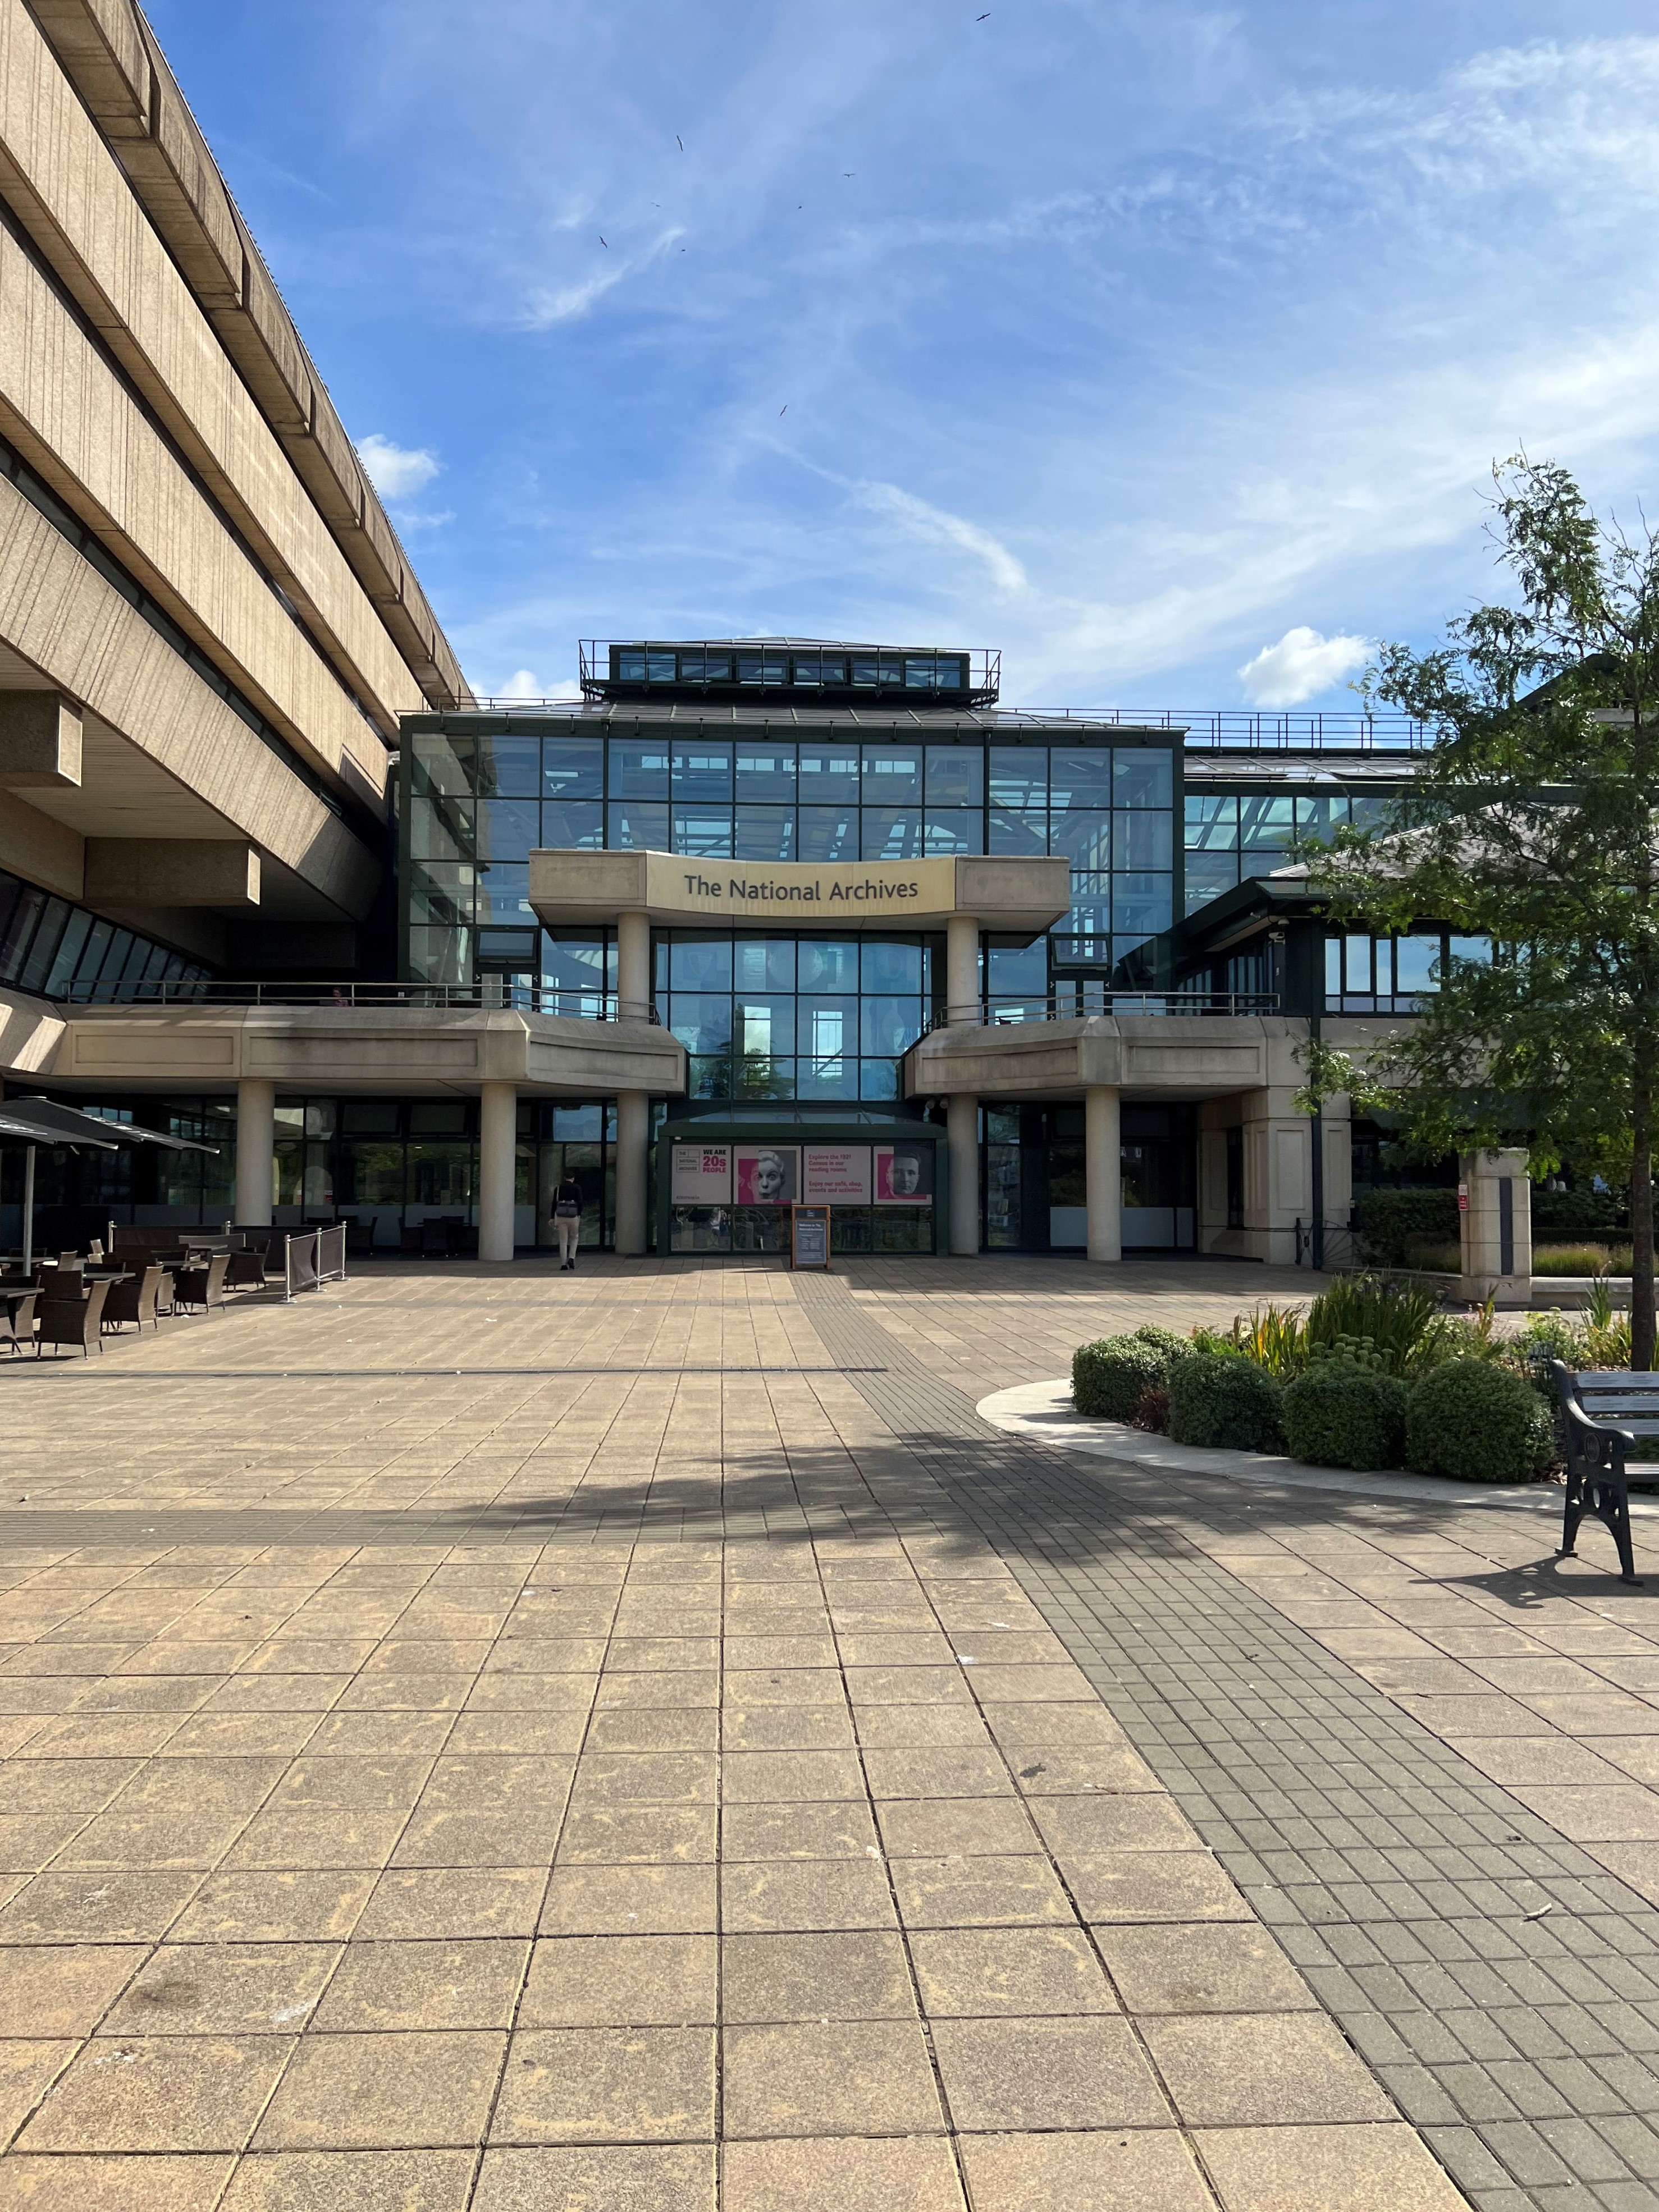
1109	1377
1341	1413
1576	1213
1477	1422
1222	1400
1387	1220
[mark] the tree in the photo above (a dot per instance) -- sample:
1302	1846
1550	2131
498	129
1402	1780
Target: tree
1530	821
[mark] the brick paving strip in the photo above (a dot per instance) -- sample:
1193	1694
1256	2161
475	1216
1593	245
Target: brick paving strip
523	1793
1502	1980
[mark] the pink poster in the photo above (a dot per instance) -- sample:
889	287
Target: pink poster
904	1175
836	1174
768	1175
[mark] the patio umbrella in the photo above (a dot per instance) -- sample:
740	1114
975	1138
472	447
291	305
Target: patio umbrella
37	1122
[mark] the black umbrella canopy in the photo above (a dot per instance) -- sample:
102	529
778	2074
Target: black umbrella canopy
50	1123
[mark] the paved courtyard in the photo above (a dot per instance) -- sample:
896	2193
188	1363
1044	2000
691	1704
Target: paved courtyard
639	1742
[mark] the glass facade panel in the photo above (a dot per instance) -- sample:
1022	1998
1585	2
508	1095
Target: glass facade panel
1017	833
827	833
892	832
1080	778
764	833
1143	776
956	776
577	825
573	768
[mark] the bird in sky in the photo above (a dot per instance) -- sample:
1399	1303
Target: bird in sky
783	410
679	142
606	247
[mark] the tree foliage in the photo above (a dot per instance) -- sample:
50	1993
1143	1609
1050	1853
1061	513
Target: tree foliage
1531	822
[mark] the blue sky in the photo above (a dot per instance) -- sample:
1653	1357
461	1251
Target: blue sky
1153	345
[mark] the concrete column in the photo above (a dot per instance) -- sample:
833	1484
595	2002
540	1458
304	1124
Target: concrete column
1102	1171
256	1145
632	967
963	1143
1496	1227
633	1150
961	1002
498	1160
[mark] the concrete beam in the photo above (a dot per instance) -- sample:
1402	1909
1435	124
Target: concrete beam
172	872
39	741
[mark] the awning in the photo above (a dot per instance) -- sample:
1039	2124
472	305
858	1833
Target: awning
44	1121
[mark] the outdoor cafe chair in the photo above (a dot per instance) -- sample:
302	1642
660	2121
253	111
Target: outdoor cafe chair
17	1320
134	1299
75	1319
202	1285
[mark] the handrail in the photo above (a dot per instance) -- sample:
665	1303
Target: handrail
1088	1000
491	994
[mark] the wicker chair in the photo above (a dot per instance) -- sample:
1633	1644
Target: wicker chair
17	1320
73	1320
202	1285
134	1300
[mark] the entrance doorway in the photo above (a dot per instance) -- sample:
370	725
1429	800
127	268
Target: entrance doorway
1035	1186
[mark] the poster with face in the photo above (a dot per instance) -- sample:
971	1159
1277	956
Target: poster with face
836	1174
904	1175
701	1175
767	1174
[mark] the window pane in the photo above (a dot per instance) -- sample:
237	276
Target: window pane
705	831
1018	833
1267	822
879	1079
1208	875
573	768
1084	836
700	964
659	668
763	965
508	829
1141	904
828	963
579	826
70	946
892	832
701	1020
764	833
763	668
1320	819
504	895
1471	948
766	771
827	833
702	772
762	1075
638	771
510	767
1416	960
956	776
892	774
1333	967
1143	838
441	763
888	1025
575	964
52	923
442	829
1143	776
441	955
1212	824
440	891
828	774
1357	963
638	824
891	966
947	830
1019	776
921	673
1080	778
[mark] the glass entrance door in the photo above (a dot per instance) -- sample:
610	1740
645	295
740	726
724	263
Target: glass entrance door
1035	1183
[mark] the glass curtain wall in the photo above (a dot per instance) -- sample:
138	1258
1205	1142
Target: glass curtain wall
1232	836
479	803
59	950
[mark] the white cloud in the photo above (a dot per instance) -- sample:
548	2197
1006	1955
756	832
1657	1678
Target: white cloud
397	471
569	303
1300	667
934	526
525	683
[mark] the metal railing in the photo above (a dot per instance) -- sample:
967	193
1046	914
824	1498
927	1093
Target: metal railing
1090	1000
491	993
1229	726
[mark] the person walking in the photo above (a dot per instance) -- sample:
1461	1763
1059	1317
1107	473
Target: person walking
567	1219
